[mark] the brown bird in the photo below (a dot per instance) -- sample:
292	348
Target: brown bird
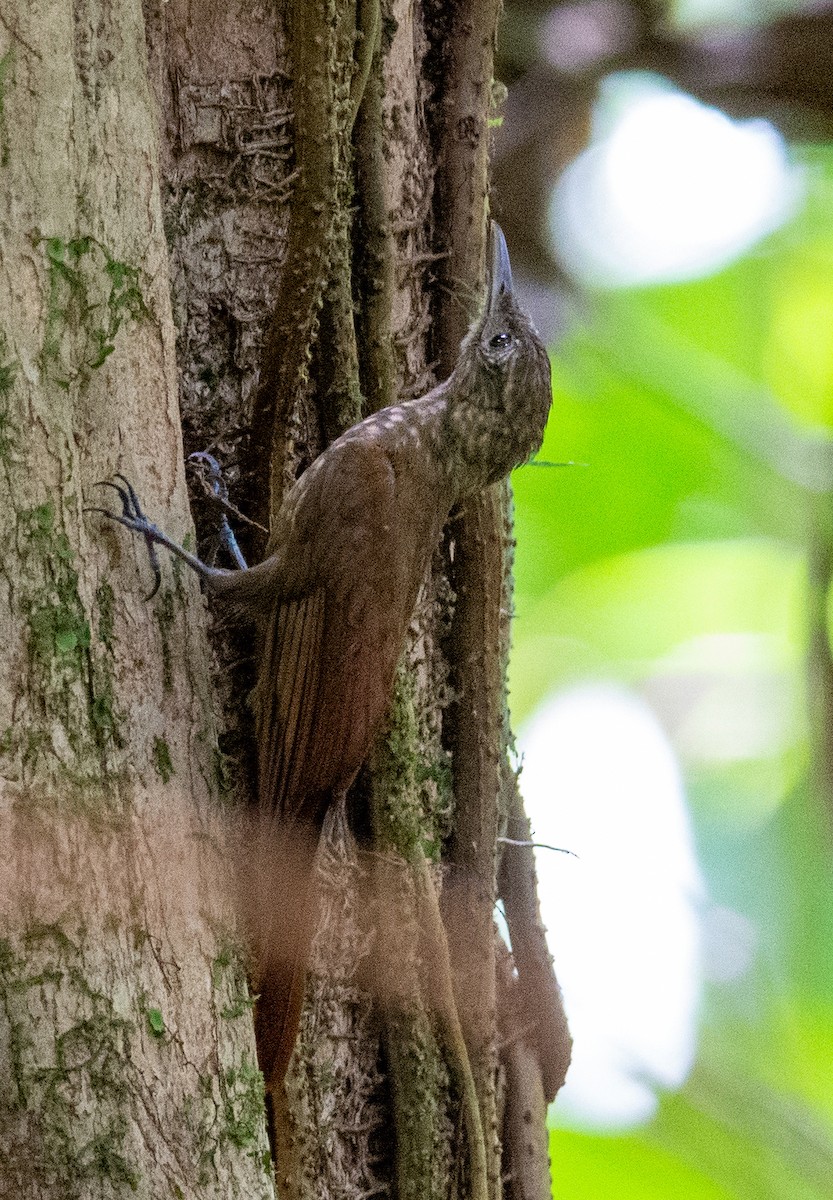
334	597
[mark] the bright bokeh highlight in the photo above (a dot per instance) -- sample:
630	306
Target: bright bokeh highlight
678	581
600	779
669	188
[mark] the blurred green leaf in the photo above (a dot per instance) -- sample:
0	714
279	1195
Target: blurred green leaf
756	1142
675	561
585	1167
620	616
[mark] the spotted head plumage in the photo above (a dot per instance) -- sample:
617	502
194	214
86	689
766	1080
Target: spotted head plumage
498	397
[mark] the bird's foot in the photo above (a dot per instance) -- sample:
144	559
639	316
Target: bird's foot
132	517
210	475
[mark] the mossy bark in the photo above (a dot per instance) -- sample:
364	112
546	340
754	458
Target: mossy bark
127	1061
319	169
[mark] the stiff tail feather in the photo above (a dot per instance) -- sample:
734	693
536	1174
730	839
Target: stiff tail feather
279	906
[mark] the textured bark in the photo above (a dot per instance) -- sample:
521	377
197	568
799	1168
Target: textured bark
525	1135
127	1061
478	562
320	171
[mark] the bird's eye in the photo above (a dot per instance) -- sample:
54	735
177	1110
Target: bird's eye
500	341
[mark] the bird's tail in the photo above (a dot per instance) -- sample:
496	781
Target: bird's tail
279	905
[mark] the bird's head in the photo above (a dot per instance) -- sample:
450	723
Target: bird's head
499	393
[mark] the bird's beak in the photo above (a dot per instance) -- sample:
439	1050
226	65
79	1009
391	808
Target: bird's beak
500	272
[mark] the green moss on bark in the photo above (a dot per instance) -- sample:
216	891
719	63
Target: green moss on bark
162	763
91	294
73	725
65	1106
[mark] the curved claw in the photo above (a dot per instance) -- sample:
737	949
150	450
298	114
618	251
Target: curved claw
105	512
213	481
134	499
157	572
133	518
210	474
109	483
202	456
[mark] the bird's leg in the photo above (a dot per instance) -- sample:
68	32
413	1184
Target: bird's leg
210	475
133	518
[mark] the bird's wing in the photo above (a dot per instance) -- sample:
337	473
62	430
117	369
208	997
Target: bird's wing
287	690
318	690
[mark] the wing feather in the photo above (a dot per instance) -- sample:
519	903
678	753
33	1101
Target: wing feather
285	700
333	604
318	651
304	693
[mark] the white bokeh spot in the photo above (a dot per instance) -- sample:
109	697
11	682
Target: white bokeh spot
672	189
600	779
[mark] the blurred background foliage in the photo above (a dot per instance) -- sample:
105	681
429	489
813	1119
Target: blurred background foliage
685	558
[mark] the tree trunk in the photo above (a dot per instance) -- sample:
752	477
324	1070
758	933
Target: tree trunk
126	1050
320	175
